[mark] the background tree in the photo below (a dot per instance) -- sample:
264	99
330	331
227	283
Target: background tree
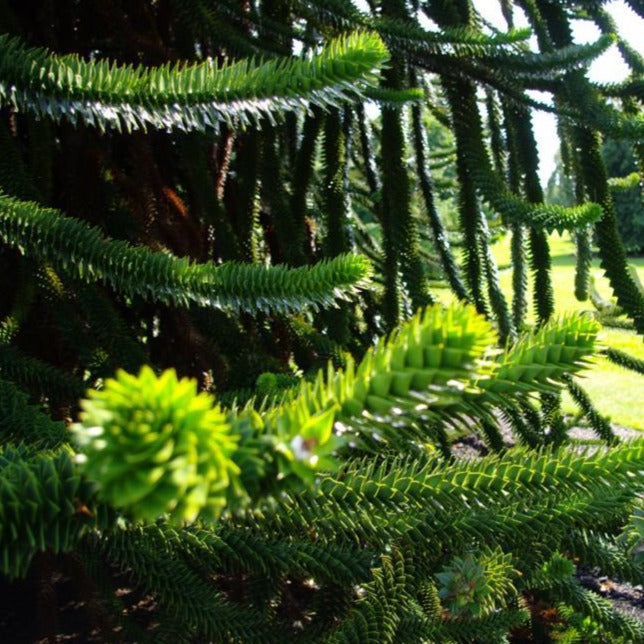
560	188
620	163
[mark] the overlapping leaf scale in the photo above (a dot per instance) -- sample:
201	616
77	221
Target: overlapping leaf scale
507	500
435	347
533	524
559	60
38	511
518	470
544	519
548	216
417	365
539	362
184	96
22	422
545	355
83	252
527	522
625	360
438	366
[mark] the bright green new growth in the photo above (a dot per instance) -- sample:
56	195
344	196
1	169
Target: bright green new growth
544	354
629	182
155	446
406	373
183	96
426	352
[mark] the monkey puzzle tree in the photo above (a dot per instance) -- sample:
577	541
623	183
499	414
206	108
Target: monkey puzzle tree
181	194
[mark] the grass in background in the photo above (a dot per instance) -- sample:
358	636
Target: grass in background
616	392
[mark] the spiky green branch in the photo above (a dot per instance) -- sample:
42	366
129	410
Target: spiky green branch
81	251
183	96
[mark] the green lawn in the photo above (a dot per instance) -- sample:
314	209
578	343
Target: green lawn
617	393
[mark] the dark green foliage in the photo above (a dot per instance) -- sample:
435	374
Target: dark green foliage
38	377
594	176
81	251
498	302
189	605
582	269
469	211
14	174
629	208
570	592
303	173
284	221
625	360
335	208
611	249
401	246
42	506
600	424
439	232
606	554
624	182
537	215
519	276
276	472
528	161
21	421
518	242
247	167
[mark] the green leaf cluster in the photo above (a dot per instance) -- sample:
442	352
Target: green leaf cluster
180	195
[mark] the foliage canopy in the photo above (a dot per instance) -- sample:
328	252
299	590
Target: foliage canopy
225	384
